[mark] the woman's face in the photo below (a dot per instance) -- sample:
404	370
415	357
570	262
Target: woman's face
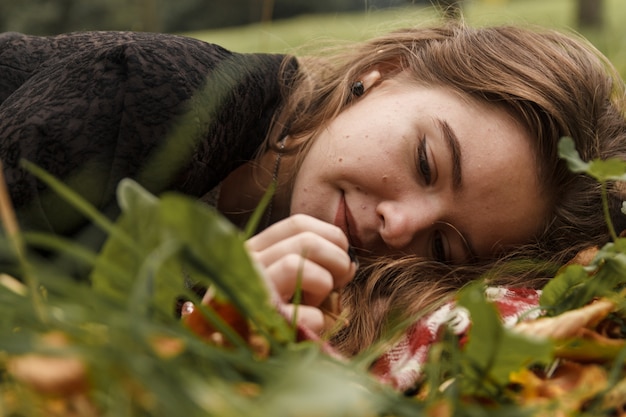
426	171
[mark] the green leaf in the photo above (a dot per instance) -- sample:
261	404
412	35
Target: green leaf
564	289
567	151
138	223
589	350
493	352
608	169
77	201
180	239
575	286
602	170
214	250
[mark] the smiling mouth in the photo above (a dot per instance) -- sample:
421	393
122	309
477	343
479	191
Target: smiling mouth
344	220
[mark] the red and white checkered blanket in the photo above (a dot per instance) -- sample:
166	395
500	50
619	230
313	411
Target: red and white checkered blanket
402	365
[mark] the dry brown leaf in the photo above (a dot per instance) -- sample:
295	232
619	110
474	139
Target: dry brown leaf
49	374
584	257
568	324
167	347
441	408
571	386
13	284
616	398
194	319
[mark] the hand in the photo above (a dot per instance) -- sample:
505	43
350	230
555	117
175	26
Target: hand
302	250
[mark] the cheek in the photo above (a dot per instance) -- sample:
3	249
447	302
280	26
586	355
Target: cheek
298	188
297	205
307	187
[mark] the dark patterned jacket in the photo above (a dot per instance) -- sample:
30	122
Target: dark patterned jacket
92	108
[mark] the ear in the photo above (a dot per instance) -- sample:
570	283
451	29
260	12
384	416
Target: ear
370	78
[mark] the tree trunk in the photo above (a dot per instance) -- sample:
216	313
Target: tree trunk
590	13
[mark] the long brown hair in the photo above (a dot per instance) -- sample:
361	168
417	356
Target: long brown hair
554	84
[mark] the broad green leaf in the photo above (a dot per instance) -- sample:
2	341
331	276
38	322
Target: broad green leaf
492	351
315	385
214	249
602	170
590	350
575	286
177	239
608	169
564	289
78	202
139	221
567	151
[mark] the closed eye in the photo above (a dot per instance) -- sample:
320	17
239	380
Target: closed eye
467	254
439	247
423	164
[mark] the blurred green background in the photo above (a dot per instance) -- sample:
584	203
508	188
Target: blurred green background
284	25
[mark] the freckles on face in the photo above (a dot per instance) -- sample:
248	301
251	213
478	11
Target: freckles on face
384	170
350	156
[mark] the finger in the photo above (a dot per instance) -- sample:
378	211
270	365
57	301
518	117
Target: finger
312	247
187	308
292	271
306	316
294	225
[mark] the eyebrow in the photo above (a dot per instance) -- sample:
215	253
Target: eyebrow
452	142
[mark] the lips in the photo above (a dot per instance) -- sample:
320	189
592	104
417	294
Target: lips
345	221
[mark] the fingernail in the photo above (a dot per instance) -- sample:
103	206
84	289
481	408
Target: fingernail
352	255
187	309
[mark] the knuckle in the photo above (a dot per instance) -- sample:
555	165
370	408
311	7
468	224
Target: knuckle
306	243
326	284
299	222
303	223
310	317
309	240
315	320
291	264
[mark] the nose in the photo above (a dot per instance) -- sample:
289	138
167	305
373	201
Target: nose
403	225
